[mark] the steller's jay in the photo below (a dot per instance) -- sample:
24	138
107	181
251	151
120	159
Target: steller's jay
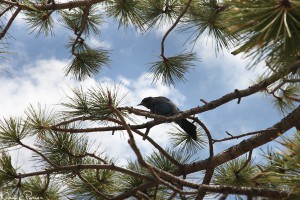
164	106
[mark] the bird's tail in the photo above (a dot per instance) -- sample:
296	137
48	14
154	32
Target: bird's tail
189	128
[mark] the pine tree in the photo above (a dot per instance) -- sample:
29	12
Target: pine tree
70	165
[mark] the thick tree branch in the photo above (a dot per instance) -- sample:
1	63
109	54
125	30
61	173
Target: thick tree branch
57	6
255	192
59	169
247	145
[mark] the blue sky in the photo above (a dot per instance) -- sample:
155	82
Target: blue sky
34	73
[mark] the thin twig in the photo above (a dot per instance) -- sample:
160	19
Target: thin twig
277	87
131	140
170	185
209	169
47	183
160	149
9	23
85	118
172	27
244	135
209	137
81	28
39	153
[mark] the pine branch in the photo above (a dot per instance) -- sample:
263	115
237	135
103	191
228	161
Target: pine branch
56	6
292	98
9	23
39	153
292	80
246	163
172	27
94	188
275	131
62	169
131	140
160	149
163	176
221	101
169	185
162	119
81	28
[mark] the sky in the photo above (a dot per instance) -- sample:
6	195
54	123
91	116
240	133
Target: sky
34	73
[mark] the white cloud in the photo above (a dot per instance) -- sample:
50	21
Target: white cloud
229	70
37	82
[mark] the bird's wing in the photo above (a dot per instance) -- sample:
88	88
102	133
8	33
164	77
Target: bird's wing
164	106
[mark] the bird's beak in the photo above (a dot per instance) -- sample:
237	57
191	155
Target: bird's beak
140	104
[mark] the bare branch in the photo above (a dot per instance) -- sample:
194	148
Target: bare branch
275	131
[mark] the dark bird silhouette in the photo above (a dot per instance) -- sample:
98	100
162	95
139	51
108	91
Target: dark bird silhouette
164	106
